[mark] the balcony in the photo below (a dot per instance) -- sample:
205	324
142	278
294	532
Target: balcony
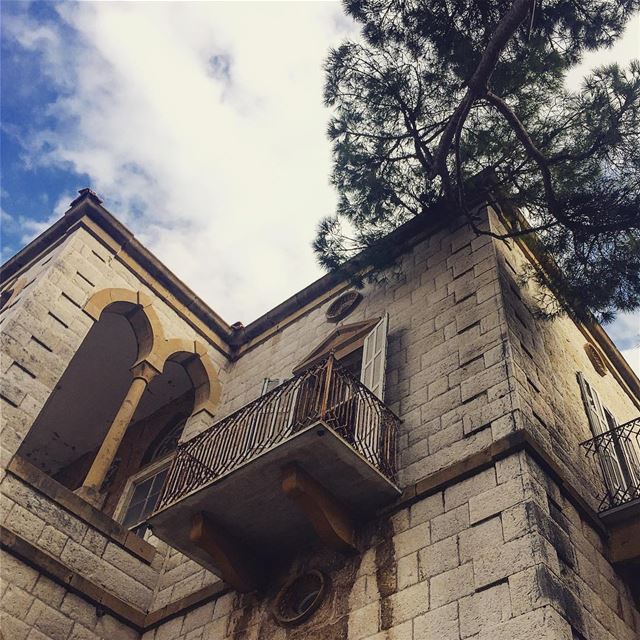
618	454
309	459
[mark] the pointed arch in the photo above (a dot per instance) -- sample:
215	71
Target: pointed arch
137	306
198	366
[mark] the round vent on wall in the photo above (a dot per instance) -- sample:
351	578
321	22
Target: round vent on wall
343	305
299	598
596	359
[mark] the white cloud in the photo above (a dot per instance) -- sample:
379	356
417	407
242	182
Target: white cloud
632	356
29	228
625	330
624	50
202	126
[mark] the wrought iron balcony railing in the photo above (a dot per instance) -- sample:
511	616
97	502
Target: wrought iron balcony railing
618	453
324	393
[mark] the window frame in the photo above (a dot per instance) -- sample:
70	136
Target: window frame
150	470
594	408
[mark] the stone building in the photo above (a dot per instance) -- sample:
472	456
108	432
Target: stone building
423	458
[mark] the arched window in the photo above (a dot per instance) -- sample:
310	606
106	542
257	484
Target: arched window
165	443
142	489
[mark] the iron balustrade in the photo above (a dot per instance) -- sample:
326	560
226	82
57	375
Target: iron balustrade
325	392
618	453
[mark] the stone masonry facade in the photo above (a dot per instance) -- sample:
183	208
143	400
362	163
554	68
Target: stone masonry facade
495	536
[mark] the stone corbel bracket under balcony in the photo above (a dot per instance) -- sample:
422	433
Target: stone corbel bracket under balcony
309	460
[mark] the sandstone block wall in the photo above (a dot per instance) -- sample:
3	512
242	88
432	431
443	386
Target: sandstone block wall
447	375
179	577
33	607
501	555
83	548
40	332
45	327
546	357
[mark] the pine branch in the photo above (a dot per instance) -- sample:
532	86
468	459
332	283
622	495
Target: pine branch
477	84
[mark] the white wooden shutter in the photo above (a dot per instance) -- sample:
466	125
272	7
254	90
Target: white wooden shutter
592	406
612	421
374	358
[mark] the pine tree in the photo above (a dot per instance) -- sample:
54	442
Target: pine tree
439	91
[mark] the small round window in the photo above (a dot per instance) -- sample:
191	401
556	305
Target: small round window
299	598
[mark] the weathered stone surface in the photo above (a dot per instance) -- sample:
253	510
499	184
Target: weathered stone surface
439	557
412	539
364	622
450	523
485	610
409	602
439	624
476	540
495	500
49	621
452	585
502	554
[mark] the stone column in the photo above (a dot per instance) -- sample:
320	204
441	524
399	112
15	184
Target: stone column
143	373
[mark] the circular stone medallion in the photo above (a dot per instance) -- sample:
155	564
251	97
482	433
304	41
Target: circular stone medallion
343	305
299	598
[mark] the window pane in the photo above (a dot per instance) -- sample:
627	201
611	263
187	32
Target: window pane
133	515
379	338
149	506
141	490
158	480
144	498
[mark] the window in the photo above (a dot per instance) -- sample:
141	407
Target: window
141	496
167	442
374	358
600	418
352	363
360	347
269	384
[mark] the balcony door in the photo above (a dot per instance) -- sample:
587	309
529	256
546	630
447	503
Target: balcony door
609	449
360	350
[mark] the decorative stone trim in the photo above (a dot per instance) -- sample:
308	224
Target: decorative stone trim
96	594
70	579
343	305
596	359
515	442
298	600
75	505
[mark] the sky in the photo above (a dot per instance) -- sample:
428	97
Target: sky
200	124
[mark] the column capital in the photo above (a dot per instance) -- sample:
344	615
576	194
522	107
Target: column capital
144	370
